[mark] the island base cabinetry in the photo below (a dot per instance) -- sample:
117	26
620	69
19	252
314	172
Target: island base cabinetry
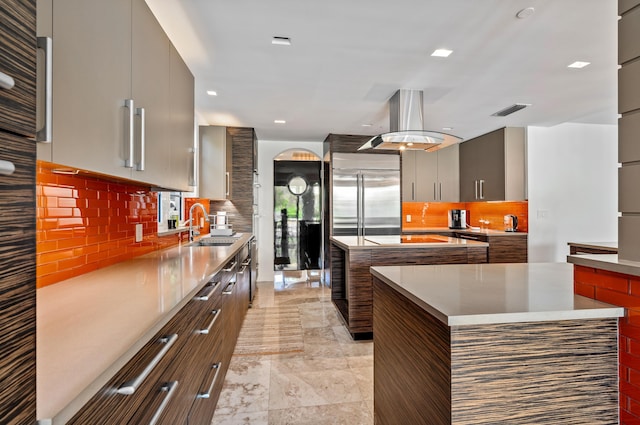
553	372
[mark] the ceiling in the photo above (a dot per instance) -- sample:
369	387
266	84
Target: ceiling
347	58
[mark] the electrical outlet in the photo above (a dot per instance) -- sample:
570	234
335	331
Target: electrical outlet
408	218
139	232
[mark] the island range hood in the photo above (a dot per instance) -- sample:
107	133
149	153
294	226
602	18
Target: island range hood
406	125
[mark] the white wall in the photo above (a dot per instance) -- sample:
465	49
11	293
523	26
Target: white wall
572	186
267	151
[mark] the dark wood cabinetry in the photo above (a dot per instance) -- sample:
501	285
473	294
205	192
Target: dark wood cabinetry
17	221
187	359
502	248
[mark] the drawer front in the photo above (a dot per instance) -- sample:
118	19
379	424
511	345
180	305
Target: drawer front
628	35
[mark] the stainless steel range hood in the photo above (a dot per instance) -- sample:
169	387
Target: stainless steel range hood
406	126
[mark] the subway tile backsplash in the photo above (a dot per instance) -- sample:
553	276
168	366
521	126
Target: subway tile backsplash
84	223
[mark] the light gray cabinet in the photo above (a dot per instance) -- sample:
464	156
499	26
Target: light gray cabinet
112	91
215	162
492	166
431	176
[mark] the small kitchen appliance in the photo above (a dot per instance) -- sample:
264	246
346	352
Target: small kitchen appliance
219	224
510	223
457	219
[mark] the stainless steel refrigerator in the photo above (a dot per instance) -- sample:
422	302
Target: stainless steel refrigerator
365	194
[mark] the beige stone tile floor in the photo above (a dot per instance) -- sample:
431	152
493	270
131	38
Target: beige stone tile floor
330	382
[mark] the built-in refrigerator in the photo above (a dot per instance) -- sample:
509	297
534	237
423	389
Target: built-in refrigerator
365	194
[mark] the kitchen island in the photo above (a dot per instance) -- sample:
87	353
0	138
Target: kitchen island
352	256
490	344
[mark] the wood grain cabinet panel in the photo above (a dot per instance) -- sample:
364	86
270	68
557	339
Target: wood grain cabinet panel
629	138
629	87
628	36
626	5
18	61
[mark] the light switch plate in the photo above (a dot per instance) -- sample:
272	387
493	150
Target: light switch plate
139	232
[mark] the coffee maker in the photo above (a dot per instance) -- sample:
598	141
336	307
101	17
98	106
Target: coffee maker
457	219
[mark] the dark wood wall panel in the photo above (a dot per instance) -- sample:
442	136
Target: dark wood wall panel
420	256
359	291
18	60
560	372
411	353
241	205
508	249
17	282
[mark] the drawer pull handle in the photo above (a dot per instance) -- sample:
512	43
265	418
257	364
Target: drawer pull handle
130	387
229	289
216	371
6	81
211	288
246	262
231	267
6	167
207	329
242	270
169	388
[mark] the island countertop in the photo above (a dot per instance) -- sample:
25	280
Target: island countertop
89	326
472	294
403	241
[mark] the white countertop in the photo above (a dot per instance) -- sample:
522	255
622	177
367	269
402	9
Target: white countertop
89	326
613	246
386	241
609	262
472	294
478	231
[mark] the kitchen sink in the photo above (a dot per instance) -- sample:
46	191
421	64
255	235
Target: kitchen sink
215	241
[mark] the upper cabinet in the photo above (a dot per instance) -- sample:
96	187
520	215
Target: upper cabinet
431	176
112	91
492	166
17	69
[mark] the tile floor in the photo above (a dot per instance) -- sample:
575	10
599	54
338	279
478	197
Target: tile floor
330	382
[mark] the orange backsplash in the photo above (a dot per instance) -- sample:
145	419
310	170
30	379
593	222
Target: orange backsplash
84	223
434	214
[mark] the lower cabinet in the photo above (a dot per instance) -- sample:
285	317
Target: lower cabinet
502	248
177	377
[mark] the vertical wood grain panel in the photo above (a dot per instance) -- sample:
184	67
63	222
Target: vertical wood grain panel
359	291
412	372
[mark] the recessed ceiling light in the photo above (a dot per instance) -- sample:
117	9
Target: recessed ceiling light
366	125
447	128
441	53
578	64
212	93
279	121
281	41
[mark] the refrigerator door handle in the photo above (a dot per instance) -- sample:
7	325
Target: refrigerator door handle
362	201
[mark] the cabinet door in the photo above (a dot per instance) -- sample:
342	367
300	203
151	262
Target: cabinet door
449	174
427	189
17	282
491	166
182	124
468	173
213	147
18	63
409	176
92	79
150	91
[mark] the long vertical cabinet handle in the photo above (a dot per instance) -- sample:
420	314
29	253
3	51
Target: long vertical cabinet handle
440	197
476	184
358	206
131	386
228	178
6	81
413	191
128	161
143	140
193	178
364	218
169	388
45	134
481	189
207	392
435	197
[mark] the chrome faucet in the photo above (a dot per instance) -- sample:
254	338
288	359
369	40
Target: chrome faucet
193	232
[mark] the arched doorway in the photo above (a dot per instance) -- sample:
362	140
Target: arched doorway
297	215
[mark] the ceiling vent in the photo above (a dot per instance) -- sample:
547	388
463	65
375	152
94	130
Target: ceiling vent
510	109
